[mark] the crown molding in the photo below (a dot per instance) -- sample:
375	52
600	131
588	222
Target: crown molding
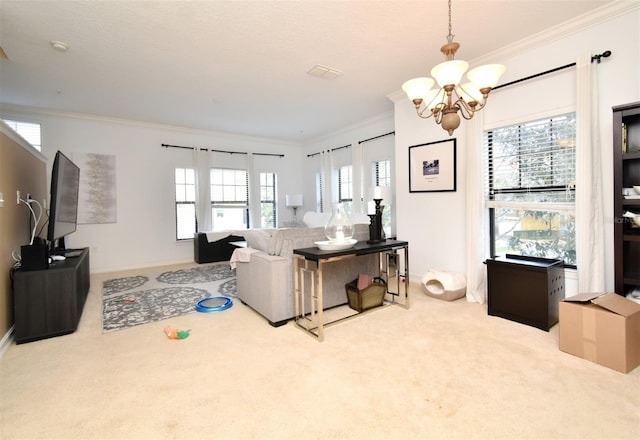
10	109
397	96
578	24
372	120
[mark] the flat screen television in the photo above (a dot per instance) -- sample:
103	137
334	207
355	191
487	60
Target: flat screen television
63	205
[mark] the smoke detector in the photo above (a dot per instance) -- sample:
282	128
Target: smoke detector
59	46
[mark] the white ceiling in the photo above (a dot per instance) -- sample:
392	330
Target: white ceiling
240	66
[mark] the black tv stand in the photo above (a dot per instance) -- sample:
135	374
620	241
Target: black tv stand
72	253
49	302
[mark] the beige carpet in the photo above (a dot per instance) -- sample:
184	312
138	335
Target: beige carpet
438	370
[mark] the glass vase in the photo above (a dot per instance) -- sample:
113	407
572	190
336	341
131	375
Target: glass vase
339	228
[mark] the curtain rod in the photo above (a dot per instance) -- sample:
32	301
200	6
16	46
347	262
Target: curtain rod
359	142
221	151
332	149
376	137
596	58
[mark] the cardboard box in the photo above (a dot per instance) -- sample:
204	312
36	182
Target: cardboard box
603	328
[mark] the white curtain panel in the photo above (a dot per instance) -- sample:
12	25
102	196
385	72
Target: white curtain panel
358	176
326	161
589	200
203	188
477	227
255	210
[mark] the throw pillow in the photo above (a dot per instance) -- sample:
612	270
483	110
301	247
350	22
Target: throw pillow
316	219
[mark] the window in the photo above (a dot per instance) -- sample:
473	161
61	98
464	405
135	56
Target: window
345	187
29	131
319	191
381	173
268	200
531	188
229	199
185	203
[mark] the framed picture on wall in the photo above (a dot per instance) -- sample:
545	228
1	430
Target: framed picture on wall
432	166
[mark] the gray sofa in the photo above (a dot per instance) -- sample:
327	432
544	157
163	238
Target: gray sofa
265	279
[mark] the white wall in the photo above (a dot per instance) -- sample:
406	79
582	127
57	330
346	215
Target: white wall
144	234
435	222
376	150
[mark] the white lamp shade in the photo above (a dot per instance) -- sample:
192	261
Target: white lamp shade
293	200
486	76
449	72
469	92
417	88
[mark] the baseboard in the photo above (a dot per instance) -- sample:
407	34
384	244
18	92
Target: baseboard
6	341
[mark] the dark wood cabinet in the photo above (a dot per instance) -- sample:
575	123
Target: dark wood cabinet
525	289
626	174
49	302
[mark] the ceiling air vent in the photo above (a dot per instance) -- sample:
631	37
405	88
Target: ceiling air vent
324	72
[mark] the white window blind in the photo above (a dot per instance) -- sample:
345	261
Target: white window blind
381	173
28	130
345	184
319	192
268	211
532	163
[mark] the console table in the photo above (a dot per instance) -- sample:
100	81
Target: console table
49	302
312	260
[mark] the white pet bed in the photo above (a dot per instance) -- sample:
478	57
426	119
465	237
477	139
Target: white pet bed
444	284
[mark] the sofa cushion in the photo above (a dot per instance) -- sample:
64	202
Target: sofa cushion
284	240
259	239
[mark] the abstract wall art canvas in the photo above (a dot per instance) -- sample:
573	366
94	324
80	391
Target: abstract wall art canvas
97	200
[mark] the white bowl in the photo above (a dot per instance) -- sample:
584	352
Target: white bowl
333	246
636	188
635	218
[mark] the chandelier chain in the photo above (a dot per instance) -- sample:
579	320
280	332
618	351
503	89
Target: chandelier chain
450	36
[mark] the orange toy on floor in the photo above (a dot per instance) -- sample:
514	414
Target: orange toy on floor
174	333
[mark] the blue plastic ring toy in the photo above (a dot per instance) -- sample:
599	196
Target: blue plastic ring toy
201	307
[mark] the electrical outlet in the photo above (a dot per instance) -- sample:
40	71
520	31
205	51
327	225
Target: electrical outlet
18	192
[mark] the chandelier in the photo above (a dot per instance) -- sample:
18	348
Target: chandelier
444	103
